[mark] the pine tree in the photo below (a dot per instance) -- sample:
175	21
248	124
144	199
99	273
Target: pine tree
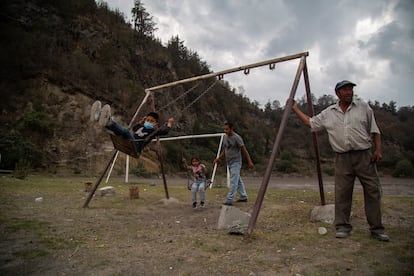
144	25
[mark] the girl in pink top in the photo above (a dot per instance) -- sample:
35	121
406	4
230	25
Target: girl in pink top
199	185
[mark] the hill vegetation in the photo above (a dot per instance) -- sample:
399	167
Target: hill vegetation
60	56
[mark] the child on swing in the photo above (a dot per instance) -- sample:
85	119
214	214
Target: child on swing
199	172
142	133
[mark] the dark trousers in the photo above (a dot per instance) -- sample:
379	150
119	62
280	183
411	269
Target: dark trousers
348	166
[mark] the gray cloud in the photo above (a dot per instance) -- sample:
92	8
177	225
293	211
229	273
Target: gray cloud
368	42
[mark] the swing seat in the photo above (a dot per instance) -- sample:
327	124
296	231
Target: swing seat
208	184
126	146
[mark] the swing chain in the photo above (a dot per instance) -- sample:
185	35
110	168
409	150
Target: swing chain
179	97
201	95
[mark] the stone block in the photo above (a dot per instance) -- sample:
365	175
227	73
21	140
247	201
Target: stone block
107	191
231	217
323	213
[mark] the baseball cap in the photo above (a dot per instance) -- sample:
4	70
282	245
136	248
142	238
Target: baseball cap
343	83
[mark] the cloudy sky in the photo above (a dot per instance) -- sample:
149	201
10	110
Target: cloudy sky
368	42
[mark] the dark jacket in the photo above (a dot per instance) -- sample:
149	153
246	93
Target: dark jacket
143	136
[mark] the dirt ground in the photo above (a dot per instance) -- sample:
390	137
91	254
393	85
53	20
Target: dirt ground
390	185
150	236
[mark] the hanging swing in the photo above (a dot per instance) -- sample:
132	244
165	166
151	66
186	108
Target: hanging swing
209	182
128	146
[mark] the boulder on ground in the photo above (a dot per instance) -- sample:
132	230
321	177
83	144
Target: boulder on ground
324	213
108	190
233	219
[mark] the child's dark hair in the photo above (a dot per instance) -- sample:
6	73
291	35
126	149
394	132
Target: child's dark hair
154	115
227	123
195	158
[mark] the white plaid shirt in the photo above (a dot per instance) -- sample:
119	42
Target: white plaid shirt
349	130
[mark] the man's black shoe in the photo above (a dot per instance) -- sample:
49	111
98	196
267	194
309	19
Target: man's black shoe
342	234
242	200
380	237
228	203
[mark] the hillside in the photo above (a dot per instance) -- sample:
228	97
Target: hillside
59	57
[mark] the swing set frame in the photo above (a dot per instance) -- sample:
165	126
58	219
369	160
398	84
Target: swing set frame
302	69
130	149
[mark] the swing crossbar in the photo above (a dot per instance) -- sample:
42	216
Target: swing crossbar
189	137
128	147
220	74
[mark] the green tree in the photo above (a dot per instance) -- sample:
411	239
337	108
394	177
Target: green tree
326	100
187	63
144	25
403	168
17	149
285	162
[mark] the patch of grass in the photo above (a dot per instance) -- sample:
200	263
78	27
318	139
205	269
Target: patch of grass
15	225
53	242
38	230
31	253
207	246
284	241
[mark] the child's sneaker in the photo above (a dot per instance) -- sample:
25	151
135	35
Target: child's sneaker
202	205
105	118
95	111
194	205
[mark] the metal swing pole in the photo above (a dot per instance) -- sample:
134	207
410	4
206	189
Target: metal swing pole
127	169
159	154
112	167
268	172
160	159
314	134
92	192
213	175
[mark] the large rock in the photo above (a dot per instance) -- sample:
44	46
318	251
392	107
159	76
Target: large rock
108	190
234	219
324	213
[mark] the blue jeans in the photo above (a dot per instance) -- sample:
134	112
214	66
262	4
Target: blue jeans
198	186
236	183
117	129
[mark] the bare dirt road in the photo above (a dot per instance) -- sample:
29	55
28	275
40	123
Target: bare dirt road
390	185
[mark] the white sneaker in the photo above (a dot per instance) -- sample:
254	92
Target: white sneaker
95	111
105	118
